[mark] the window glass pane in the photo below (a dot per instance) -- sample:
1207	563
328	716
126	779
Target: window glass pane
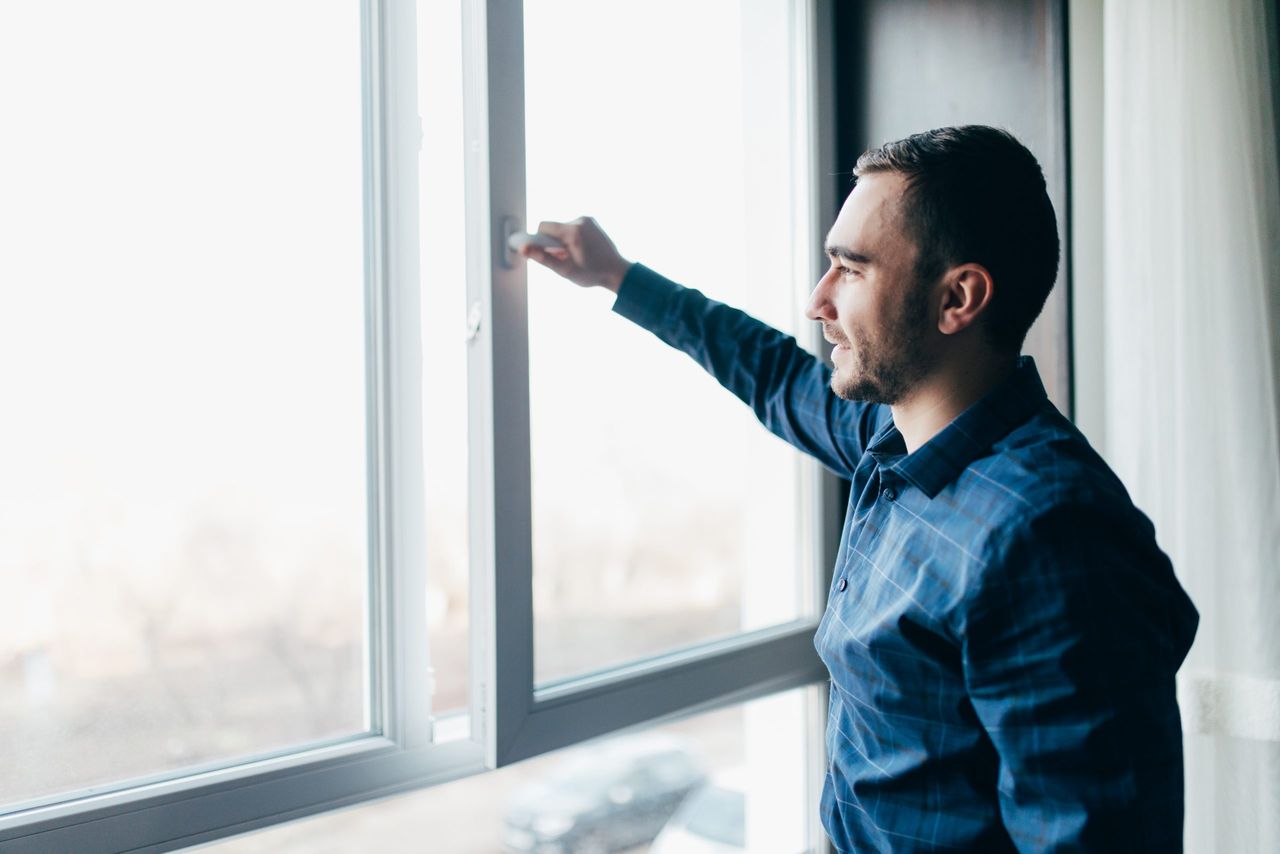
731	780
663	513
444	356
183	547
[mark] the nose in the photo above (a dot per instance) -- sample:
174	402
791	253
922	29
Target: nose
820	306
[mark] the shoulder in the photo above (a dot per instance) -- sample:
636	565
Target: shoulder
1051	504
1042	477
1074	535
1046	465
1042	469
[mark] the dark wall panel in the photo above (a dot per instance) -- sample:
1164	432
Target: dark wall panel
905	66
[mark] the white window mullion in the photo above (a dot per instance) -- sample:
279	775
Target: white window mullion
502	611
377	627
406	683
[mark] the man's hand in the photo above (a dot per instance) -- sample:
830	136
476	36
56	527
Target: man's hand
588	258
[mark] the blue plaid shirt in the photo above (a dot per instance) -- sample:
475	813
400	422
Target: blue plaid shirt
1002	630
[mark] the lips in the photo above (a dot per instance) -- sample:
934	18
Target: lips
840	350
831	339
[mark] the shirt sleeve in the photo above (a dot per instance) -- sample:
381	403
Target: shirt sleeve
1070	649
787	387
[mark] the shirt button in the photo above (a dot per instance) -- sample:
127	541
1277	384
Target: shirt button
843	584
890	494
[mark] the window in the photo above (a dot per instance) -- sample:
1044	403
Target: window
649	532
736	776
185	548
285	520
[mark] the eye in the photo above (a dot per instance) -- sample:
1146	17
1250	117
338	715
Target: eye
842	270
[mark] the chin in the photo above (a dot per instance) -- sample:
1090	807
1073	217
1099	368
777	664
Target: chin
860	388
842	385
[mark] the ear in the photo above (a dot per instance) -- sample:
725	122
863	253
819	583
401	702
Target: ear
966	292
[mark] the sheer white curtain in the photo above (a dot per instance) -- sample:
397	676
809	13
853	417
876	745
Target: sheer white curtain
1192	219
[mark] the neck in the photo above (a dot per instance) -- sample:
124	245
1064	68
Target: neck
953	387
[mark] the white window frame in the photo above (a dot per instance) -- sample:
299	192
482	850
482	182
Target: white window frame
511	718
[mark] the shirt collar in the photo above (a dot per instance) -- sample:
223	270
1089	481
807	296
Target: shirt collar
940	460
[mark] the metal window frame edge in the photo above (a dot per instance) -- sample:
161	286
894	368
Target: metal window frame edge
397	754
684	683
497	376
825	202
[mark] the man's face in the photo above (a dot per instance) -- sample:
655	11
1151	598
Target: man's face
870	302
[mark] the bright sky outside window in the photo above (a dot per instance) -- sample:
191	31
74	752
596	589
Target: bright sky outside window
663	513
183	525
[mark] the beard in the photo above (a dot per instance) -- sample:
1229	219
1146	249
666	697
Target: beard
885	364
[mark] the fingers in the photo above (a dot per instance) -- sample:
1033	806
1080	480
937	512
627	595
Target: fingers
571	233
556	260
568	233
528	250
560	230
587	257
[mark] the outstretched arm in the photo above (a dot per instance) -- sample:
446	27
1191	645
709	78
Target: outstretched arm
786	387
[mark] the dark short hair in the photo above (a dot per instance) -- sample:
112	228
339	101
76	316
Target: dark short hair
977	195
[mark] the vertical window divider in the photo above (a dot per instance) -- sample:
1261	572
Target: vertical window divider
817	20
399	580
806	203
480	533
375	263
498	376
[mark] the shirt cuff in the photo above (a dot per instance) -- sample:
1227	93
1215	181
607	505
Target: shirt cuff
643	296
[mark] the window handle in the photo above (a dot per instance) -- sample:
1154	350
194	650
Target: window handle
510	228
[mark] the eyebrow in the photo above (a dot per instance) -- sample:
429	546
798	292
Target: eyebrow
847	254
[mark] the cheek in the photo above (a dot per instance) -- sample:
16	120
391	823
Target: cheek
846	303
852	308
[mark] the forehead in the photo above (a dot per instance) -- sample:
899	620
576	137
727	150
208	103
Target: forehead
870	217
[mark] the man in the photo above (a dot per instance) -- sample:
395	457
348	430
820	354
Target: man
1002	630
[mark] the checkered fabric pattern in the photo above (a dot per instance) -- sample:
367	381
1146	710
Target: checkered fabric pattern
1002	631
